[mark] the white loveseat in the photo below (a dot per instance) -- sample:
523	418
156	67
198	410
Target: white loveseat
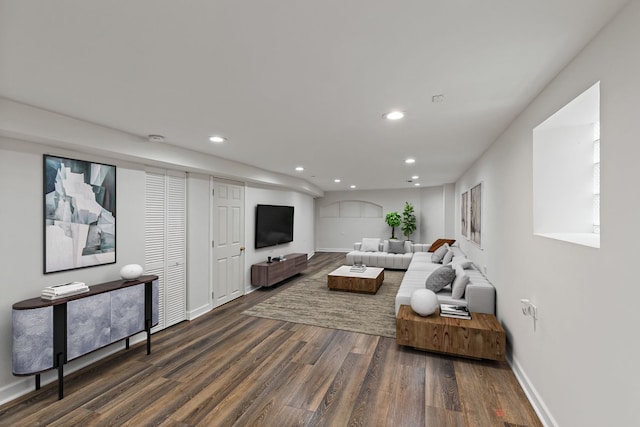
382	257
479	295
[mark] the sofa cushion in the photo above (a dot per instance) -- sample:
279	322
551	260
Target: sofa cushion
440	242
440	278
396	247
460	283
439	253
370	245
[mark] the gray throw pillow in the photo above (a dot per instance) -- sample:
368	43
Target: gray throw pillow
440	278
396	247
447	257
439	253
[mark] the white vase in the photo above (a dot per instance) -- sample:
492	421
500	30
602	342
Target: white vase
424	302
131	271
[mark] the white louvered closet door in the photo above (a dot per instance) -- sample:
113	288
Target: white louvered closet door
165	242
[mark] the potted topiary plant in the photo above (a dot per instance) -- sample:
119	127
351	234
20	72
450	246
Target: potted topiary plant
408	220
393	220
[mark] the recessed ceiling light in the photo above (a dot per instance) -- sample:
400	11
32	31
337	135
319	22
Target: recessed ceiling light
417	184
336	180
415	177
353	186
393	115
299	168
410	161
217	138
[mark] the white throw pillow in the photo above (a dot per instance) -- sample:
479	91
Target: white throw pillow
370	245
439	253
447	257
459	283
464	262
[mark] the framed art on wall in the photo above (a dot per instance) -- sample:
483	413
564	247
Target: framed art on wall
464	212
79	200
475	215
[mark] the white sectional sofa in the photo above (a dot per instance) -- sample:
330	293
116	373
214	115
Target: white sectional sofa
383	258
479	295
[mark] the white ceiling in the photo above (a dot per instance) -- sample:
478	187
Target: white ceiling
299	82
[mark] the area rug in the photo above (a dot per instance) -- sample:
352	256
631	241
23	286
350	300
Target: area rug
310	302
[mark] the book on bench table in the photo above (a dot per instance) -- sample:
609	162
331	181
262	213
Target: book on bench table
455	311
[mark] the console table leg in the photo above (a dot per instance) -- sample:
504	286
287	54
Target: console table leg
126	343
60	376
148	337
37	381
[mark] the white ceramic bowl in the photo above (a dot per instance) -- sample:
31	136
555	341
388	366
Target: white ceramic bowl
131	271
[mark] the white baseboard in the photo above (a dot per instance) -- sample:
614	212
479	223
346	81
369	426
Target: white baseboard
333	250
193	314
532	394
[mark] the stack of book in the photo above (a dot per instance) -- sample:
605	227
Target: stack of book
358	268
455	311
64	290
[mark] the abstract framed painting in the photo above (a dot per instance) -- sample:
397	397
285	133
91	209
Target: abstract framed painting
79	200
464	214
475	215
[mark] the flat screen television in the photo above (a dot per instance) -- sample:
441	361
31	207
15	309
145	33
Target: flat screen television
274	225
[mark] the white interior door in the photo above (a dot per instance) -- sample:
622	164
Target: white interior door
227	227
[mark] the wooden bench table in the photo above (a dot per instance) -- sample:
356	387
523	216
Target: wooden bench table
482	337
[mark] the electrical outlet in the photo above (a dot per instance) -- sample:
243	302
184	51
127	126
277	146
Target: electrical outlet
529	309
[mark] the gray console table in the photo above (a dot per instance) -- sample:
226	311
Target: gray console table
48	334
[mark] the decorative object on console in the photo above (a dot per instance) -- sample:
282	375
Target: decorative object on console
424	302
63	290
393	220
475	214
131	271
79	200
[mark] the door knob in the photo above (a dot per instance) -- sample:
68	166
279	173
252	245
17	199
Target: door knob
241	248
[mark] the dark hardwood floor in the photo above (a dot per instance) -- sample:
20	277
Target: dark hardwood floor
227	369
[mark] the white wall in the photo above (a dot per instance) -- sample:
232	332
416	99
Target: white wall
339	234
579	362
303	220
430	206
21	242
198	244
